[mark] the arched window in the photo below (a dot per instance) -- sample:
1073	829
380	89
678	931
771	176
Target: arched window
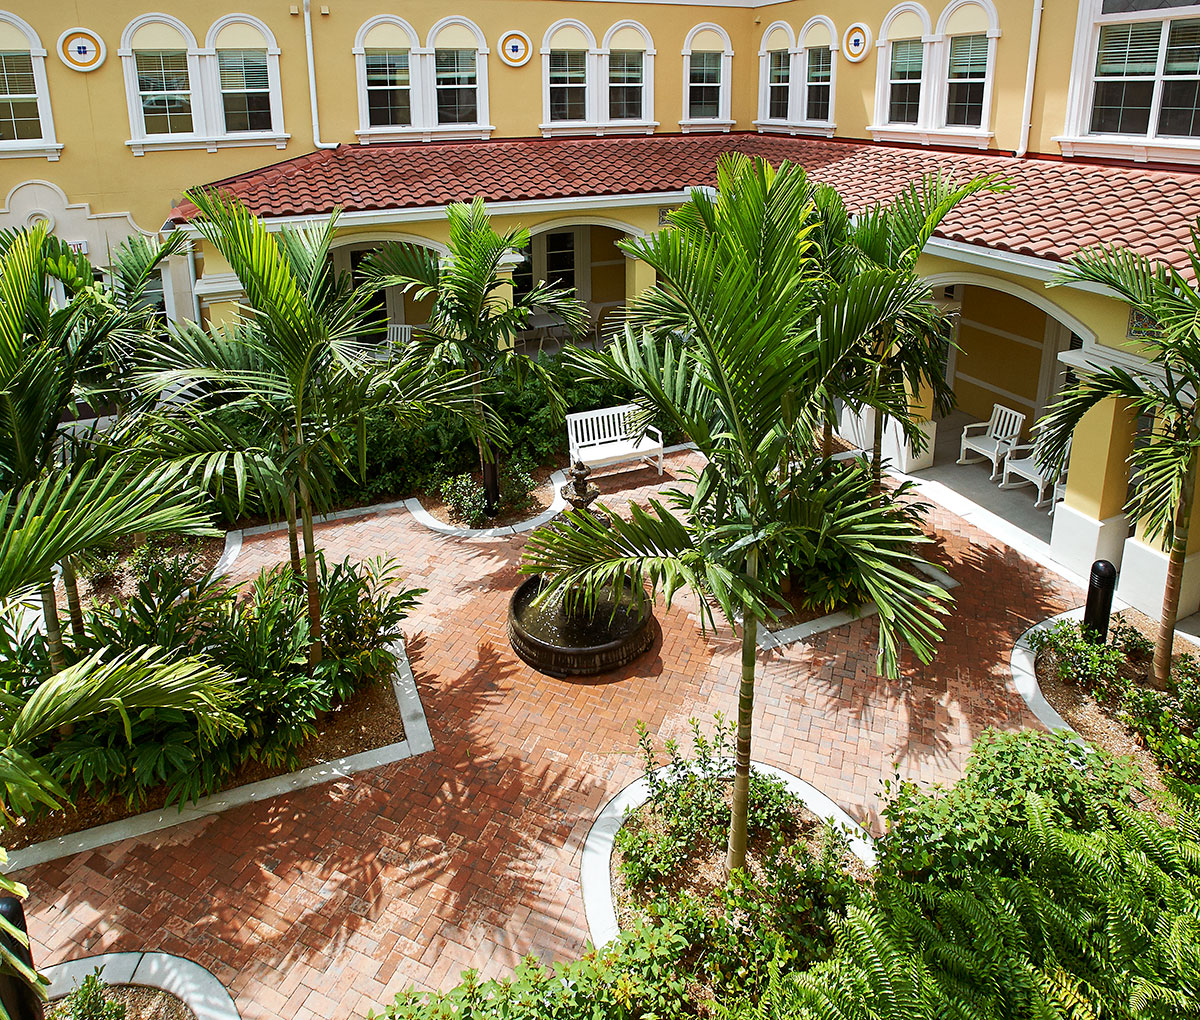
459	86
163	86
776	72
26	122
570	67
707	73
817	73
388	69
245	100
797	78
936	85
627	73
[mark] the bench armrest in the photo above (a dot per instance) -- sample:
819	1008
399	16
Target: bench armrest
652	431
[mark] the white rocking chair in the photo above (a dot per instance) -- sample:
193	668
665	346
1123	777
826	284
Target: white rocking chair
1027	462
999	434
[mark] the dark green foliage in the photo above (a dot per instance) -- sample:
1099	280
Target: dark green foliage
1116	674
98	567
467	502
943	830
88	1001
262	640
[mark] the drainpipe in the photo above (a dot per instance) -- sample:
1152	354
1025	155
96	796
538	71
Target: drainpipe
312	79
1035	32
192	274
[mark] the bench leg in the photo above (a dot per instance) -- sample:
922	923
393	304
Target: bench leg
660	463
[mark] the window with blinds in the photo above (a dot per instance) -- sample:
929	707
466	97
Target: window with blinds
456	85
904	90
626	82
704	85
568	85
1147	79
968	74
818	78
779	74
19	120
389	97
245	90
164	91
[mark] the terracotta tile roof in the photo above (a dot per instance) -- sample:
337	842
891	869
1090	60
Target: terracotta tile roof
1053	210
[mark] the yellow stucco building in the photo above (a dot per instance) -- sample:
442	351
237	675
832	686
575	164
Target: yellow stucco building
587	121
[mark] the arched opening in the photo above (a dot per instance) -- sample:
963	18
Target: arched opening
394	313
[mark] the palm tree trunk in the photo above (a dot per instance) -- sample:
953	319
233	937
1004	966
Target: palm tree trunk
877	448
310	571
74	605
489	467
1174	583
739	815
54	645
293	536
827	436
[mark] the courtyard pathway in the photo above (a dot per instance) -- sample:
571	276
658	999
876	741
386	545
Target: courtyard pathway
325	902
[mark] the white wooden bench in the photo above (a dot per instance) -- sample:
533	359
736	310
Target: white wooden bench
607	436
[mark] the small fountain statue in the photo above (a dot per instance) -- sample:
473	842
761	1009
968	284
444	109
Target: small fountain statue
559	640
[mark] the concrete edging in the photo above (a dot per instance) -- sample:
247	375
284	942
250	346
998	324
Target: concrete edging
198	987
417	740
1023	665
594	877
557	480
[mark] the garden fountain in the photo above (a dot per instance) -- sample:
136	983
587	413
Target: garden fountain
560	637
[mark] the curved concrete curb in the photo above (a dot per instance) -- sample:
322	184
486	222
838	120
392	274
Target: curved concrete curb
199	989
1024	673
417	740
594	877
558	479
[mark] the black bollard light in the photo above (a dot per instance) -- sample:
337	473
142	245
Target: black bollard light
20	1001
1101	584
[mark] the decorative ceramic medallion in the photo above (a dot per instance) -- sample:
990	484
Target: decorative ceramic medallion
856	42
515	48
81	49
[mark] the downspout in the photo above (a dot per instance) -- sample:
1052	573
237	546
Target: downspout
312	79
192	274
1035	32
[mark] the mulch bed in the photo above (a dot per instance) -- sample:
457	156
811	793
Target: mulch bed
1099	722
140	1002
206	550
705	872
370	719
540	500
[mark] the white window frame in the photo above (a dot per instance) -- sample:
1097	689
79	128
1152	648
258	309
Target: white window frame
210	67
591	117
420	73
724	120
931	126
426	88
646	124
48	147
1077	139
797	122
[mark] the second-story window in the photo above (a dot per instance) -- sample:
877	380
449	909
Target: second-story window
626	84
779	78
904	92
1142	66
245	90
568	84
457	86
389	88
818	79
164	91
704	85
19	120
968	75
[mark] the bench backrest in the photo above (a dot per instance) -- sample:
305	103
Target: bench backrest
1005	423
605	425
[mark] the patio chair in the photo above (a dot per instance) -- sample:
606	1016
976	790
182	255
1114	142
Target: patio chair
999	434
1028	462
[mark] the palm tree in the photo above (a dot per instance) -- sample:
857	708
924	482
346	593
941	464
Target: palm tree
734	354
909	349
1164	391
472	324
302	360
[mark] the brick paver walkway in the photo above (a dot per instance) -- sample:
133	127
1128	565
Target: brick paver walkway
323	903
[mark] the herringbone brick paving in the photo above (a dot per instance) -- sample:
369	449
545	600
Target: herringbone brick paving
324	902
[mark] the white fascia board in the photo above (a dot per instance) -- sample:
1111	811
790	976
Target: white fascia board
1028	266
377	217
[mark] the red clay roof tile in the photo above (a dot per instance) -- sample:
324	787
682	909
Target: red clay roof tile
1053	209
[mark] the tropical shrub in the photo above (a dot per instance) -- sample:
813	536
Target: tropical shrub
466	499
262	640
942	830
99	566
154	555
89	1001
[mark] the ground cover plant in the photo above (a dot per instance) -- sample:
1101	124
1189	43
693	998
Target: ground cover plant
1119	674
1064	902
